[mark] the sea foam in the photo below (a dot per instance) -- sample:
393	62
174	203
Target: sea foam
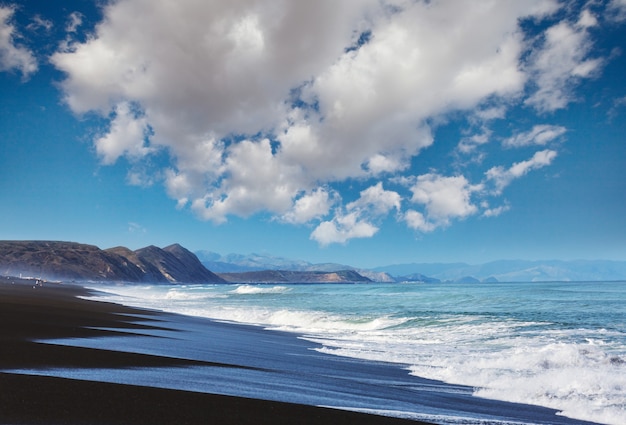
256	289
542	354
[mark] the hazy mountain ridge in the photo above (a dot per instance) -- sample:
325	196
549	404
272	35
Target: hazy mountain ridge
75	261
238	263
501	270
234	263
516	270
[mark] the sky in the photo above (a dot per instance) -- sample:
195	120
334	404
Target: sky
362	132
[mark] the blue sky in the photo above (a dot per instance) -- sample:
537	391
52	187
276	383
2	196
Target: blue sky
361	132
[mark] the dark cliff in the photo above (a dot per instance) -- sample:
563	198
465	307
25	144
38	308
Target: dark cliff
75	261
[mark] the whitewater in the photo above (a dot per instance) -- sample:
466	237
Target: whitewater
560	345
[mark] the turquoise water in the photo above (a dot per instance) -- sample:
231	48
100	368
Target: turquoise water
560	345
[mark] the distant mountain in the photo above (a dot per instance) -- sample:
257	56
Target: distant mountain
417	277
234	263
502	271
426	269
516	270
237	263
287	276
75	261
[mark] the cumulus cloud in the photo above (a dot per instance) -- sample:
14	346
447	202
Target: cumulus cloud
126	136
416	221
258	109
343	228
12	55
539	135
376	200
443	199
356	221
310	206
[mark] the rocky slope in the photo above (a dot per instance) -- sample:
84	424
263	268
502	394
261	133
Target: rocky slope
75	261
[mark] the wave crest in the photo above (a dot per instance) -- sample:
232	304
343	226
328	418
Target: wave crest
254	290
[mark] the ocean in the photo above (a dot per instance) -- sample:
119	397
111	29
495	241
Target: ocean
560	345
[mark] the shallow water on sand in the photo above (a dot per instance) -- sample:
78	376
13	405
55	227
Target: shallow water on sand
249	361
560	345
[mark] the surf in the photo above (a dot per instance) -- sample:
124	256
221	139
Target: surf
557	345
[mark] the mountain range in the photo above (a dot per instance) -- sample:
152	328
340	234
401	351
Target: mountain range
516	270
54	260
502	270
239	263
175	264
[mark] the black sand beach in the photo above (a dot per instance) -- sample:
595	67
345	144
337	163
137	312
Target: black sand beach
53	311
111	364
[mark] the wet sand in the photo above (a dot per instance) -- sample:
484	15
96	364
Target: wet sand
31	313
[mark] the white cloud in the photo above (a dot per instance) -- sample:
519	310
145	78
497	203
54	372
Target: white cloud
374	101
469	144
416	221
561	62
481	118
310	206
259	110
617	10
74	21
443	198
373	203
343	228
494	212
13	56
256	179
491	113
39	22
126	136
540	134
376	200
502	177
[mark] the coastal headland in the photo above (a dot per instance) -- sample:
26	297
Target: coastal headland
73	261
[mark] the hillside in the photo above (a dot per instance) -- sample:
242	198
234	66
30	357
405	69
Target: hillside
76	261
288	276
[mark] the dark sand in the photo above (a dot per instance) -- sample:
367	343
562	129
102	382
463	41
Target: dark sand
53	311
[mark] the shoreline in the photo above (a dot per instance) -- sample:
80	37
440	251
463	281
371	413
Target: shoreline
65	359
54	311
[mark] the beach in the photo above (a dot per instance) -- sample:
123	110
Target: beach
53	311
69	360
